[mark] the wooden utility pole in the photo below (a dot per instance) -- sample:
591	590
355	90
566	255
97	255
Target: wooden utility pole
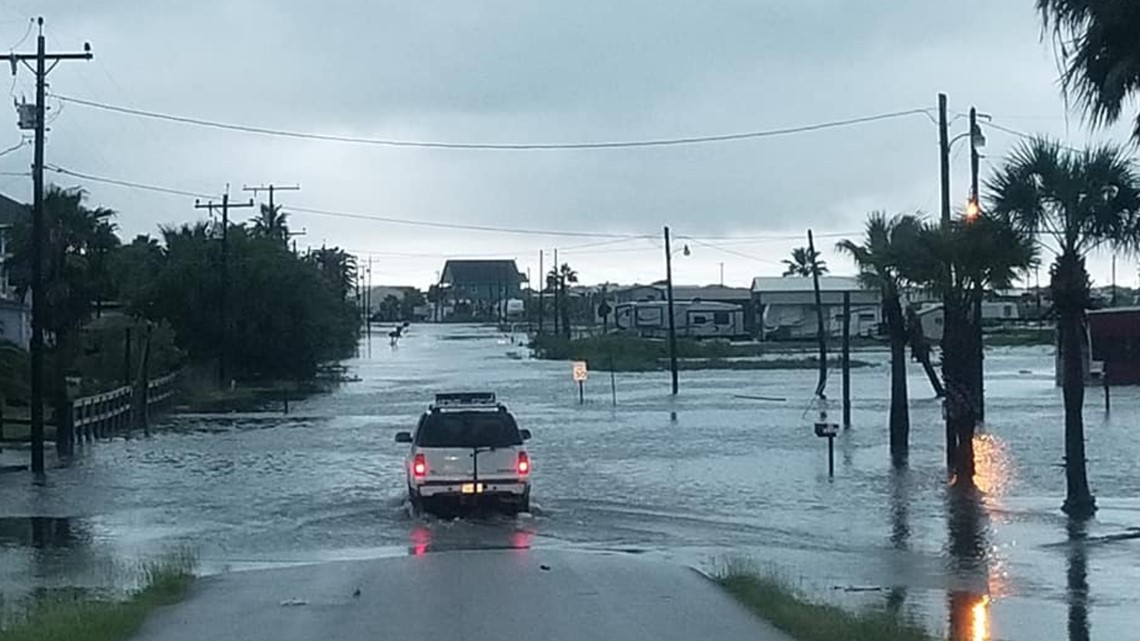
541	291
846	360
223	312
979	387
944	173
557	293
672	318
41	70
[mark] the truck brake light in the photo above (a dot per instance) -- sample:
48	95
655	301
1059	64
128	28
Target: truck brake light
524	464
419	466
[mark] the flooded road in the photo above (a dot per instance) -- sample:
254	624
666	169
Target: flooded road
690	479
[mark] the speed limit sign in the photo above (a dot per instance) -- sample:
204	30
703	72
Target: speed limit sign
580	372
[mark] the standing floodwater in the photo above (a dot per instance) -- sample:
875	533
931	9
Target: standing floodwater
725	476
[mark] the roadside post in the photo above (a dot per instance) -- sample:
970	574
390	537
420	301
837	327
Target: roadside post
824	429
580	373
1107	395
613	381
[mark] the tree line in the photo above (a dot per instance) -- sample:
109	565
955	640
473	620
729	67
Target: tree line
285	313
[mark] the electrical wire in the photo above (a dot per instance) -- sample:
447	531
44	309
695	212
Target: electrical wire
28	32
625	144
460	226
351	215
125	183
23	141
733	252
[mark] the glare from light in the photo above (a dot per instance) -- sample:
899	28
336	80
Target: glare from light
980	620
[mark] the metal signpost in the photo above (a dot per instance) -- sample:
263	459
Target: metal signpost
581	373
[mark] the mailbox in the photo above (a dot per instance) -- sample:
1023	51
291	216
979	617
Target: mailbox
825	430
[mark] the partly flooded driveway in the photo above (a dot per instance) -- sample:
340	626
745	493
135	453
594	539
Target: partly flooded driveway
693	478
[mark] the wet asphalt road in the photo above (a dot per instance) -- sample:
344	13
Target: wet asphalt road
474	595
686	480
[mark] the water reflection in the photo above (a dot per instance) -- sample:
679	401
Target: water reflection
900	497
475	534
1078	582
970	576
42	532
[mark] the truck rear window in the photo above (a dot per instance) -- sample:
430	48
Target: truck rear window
468	429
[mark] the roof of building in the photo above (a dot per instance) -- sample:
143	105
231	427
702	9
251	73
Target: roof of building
804	284
481	271
710	292
11	211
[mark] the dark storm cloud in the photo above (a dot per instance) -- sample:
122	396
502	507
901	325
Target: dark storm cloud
501	71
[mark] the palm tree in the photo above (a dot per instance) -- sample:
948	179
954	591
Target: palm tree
882	259
556	279
271	223
338	267
961	261
800	264
1099	53
1073	202
566	275
76	278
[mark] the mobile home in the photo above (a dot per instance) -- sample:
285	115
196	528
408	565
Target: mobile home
694	319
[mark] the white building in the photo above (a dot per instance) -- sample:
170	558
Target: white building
15	317
786	306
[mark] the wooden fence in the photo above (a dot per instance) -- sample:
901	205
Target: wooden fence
110	413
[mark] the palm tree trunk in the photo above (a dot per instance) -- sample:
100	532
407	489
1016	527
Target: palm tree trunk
899	417
565	312
957	367
557	308
1070	295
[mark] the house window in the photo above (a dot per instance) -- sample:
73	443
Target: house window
699	320
721	318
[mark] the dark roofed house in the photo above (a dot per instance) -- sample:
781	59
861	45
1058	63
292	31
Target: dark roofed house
481	285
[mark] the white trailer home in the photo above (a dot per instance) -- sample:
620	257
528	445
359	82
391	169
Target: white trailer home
693	319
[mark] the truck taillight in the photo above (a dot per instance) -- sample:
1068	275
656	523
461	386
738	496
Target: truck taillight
524	464
419	466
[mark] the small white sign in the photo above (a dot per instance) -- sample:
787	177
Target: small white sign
580	372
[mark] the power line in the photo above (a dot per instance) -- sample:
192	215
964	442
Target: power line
351	215
733	252
14	147
610	238
385	142
460	226
126	183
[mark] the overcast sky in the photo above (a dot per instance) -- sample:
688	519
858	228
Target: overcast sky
499	71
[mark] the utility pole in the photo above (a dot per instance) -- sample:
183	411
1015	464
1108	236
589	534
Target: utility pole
224	289
541	291
975	206
557	293
952	385
672	319
722	274
41	71
271	188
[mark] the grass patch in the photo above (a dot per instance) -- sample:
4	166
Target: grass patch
636	354
66	615
774	600
1020	337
